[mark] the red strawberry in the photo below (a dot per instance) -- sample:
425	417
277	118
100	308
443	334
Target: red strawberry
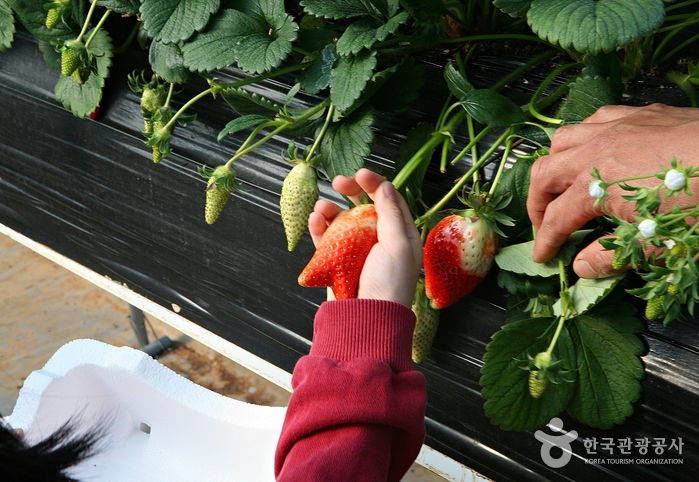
340	256
459	252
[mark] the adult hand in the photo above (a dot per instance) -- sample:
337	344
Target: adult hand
393	266
621	142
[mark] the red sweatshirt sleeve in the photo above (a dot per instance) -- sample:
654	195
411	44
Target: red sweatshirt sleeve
358	406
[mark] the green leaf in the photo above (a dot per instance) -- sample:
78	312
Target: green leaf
364	33
32	14
51	57
585	293
317	77
599	84
515	8
349	8
457	83
609	367
245	103
491	108
241	123
83	99
347	143
175	20
257	41
505	384
7	25
516	181
125	7
518	259
349	78
167	61
531	286
594	25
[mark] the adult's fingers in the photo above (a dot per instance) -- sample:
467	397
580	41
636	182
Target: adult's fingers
594	261
566	214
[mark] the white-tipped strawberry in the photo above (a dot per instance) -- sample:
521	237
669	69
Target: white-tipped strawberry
459	252
299	195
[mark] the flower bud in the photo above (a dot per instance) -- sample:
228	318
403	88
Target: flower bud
675	180
647	228
596	190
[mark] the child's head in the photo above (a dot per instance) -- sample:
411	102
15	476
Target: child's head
47	460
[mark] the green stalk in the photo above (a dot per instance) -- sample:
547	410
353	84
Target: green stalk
97	28
501	168
418	157
87	20
542	87
322	132
129	39
463	180
565	306
186	106
471	144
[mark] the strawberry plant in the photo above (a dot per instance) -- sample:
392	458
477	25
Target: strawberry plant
566	346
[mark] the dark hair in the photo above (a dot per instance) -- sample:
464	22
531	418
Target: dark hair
47	460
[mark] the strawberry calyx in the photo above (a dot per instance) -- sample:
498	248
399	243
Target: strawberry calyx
543	369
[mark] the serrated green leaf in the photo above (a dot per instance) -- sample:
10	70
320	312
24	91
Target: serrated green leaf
458	85
176	20
257	41
518	259
515	8
594	25
491	108
246	103
585	293
516	283
83	99
51	57
7	25
317	77
125	7
32	15
167	61
241	123
346	8
609	367
347	143
586	95
516	182
349	78
364	33
505	384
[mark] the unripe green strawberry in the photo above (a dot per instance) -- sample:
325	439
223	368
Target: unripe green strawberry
218	190
679	249
69	62
427	321
216	198
654	308
673	290
538	379
153	98
298	197
81	73
158	124
619	261
52	17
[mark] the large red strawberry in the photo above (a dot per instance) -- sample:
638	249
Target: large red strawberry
340	256
459	252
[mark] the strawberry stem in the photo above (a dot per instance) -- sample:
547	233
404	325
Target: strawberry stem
97	28
87	20
322	132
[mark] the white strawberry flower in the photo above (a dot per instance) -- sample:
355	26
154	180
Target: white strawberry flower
596	190
675	180
647	228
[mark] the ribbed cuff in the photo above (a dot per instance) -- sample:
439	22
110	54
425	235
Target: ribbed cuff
361	328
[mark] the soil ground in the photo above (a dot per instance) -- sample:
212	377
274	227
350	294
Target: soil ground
43	306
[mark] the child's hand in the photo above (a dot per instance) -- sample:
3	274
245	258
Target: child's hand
393	266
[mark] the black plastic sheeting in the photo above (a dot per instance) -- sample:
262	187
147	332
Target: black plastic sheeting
89	190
